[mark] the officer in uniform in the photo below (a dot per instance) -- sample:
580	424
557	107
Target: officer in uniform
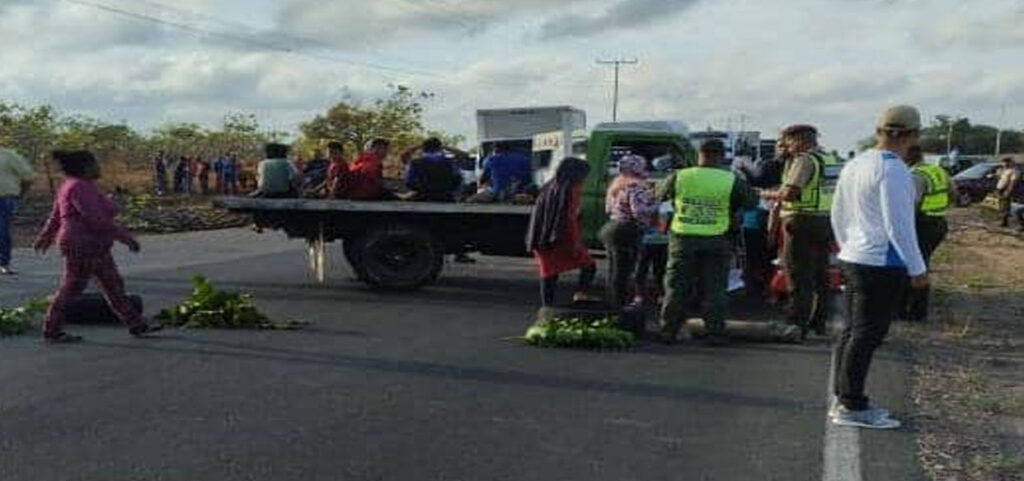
706	200
808	185
935	192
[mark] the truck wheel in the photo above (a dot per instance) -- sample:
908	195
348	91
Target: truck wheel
397	257
348	247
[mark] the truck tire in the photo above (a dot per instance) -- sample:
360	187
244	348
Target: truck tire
349	248
397	257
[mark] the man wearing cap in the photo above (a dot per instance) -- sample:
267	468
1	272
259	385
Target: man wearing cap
808	183
934	192
16	177
873	220
706	199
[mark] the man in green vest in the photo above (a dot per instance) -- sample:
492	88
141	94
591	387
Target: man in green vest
706	200
935	192
808	184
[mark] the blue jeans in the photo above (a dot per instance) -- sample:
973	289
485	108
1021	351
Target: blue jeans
7	206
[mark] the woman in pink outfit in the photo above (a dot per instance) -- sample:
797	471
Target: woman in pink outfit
83	226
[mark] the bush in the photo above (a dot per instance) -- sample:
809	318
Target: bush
579	333
209	308
19	320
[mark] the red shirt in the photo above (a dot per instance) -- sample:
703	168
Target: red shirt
366	176
337	179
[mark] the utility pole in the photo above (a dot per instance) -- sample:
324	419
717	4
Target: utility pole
617	63
999	130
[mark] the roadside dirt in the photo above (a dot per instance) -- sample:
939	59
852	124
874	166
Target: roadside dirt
141	214
969	376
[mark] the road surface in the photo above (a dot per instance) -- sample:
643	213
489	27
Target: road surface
417	386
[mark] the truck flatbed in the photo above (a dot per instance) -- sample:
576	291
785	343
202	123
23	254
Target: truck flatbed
255	204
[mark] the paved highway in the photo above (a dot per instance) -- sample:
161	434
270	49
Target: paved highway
417	386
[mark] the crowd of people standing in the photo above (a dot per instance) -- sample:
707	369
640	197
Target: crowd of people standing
194	175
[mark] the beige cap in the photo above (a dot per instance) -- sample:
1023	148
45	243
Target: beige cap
900	117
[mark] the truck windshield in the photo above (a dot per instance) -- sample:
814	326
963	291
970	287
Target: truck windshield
651	150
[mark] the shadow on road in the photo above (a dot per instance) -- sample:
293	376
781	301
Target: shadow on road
466	373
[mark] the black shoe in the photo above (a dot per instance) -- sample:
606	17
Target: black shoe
717	340
142	329
62	338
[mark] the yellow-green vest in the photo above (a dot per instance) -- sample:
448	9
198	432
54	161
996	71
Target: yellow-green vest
702	203
935	201
816	196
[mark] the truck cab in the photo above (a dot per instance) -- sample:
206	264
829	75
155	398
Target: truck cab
609	142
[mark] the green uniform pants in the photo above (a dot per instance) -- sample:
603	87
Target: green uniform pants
806	253
1005	205
698	272
931	231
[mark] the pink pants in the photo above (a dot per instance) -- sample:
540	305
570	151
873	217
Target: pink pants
78	270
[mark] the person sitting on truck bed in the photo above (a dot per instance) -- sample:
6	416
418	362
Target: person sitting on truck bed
337	171
276	177
433	176
366	174
505	173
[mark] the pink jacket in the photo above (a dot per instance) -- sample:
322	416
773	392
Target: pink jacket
82	220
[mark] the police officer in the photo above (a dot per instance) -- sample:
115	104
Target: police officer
935	192
706	199
808	184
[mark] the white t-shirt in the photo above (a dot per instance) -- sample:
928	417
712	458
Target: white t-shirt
873	213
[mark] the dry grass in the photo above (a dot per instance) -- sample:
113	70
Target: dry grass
969	378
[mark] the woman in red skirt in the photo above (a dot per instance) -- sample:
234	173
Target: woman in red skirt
555	236
82	225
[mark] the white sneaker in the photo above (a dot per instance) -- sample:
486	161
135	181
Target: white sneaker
7	271
867	418
833	409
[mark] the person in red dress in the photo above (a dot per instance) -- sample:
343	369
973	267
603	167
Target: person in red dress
555	237
82	224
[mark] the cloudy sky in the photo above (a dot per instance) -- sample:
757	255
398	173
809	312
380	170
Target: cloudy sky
762	63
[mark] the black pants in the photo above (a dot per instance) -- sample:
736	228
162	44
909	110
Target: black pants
755	243
870	302
931	231
549	285
806	255
653	259
622	243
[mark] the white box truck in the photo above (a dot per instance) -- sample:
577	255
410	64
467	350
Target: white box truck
517	127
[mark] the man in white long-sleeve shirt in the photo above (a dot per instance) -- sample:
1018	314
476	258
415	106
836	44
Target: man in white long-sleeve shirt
873	221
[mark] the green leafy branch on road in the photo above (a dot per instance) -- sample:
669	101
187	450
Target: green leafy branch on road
579	333
209	308
19	320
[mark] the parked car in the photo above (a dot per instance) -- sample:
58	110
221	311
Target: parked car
976	183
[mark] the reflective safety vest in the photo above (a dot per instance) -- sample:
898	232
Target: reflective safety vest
935	201
703	197
816	196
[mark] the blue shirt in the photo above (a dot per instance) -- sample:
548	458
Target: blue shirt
507	168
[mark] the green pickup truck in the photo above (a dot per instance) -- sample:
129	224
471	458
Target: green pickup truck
401	245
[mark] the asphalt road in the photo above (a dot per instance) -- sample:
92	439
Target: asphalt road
416	386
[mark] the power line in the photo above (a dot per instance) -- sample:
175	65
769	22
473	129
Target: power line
205	32
247	40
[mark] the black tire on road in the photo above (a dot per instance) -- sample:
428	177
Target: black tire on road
397	256
92	308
